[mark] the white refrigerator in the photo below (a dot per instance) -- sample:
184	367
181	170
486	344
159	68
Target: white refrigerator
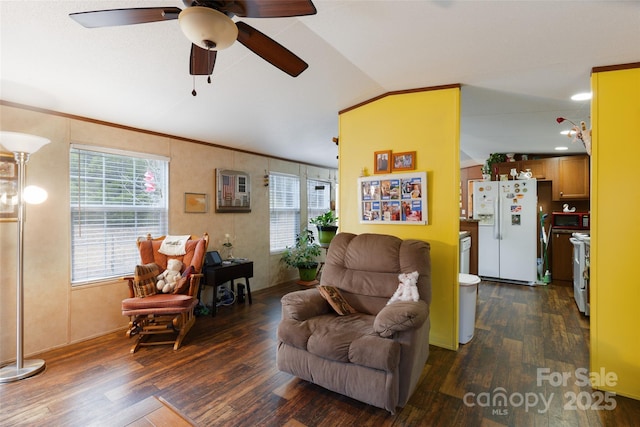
507	229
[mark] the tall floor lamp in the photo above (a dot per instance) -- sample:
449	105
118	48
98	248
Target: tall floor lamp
22	145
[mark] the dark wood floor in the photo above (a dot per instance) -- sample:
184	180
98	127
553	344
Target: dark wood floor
225	374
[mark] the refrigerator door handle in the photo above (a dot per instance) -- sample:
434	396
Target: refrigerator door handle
497	223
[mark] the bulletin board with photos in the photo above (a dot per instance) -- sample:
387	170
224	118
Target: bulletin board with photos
393	199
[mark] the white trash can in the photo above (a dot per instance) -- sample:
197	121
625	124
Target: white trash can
467	306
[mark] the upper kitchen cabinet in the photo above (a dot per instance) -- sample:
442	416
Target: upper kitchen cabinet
539	168
569	174
571	178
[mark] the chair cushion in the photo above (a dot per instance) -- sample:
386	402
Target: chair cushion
144	280
336	300
196	250
347	339
158	301
183	283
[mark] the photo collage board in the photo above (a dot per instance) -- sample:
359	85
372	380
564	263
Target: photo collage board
393	199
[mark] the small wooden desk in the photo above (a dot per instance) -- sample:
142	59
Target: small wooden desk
216	275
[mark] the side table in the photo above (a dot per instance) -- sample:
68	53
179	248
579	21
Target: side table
216	275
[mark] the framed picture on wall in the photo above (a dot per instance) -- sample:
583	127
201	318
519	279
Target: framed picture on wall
233	191
382	161
404	161
393	199
195	203
8	188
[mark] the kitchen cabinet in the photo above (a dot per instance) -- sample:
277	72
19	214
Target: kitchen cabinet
571	179
539	168
505	169
561	257
569	174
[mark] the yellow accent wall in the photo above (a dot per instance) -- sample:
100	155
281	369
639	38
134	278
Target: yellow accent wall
428	122
615	233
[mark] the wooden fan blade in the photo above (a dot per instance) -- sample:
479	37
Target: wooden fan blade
269	8
202	61
270	50
117	17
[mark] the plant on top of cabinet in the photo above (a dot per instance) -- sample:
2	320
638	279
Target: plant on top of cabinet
492	160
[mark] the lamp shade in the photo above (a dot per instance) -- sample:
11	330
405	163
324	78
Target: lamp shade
208	28
16	142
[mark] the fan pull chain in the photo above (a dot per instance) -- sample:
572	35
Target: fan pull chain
193	92
209	64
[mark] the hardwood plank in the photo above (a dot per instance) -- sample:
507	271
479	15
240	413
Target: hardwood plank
225	374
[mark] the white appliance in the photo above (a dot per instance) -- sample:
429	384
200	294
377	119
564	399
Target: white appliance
580	265
465	249
507	229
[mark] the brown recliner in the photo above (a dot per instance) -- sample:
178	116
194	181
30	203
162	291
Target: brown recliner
375	355
152	313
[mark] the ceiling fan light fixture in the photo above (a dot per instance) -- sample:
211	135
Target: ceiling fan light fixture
208	28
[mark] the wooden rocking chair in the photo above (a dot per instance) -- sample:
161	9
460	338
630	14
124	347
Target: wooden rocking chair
154	313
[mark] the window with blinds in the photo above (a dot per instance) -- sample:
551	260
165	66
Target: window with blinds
116	197
284	210
318	201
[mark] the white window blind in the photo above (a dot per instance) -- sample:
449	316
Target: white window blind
116	197
318	200
284	210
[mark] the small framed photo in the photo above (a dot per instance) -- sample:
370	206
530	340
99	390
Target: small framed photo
382	161
404	161
8	188
195	203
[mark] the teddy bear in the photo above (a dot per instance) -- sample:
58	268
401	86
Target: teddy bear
407	289
168	279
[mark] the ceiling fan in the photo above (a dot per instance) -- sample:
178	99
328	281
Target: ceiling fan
209	27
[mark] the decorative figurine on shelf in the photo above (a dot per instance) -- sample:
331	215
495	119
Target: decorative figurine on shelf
228	247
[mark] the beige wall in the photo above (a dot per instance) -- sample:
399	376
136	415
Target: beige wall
57	314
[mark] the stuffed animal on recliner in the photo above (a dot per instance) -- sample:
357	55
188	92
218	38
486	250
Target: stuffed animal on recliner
167	280
407	289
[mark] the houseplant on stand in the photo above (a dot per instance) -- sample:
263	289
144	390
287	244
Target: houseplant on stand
303	255
327	227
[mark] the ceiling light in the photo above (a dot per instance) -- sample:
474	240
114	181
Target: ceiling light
561	148
583	96
565	132
208	28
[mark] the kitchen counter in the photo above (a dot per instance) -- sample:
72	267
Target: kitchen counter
568	231
470	228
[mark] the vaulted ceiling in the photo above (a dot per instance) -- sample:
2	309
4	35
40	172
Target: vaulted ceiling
518	63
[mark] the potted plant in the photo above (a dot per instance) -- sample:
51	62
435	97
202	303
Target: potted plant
303	255
327	228
493	159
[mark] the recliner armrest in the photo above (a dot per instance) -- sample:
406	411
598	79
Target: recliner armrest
400	316
303	305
